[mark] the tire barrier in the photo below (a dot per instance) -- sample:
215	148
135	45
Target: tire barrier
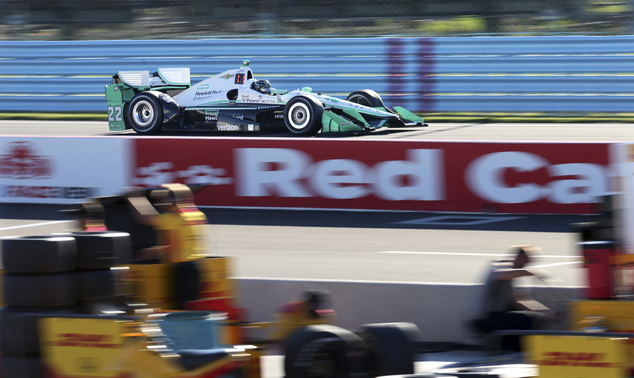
50	276
19	332
39	254
45	290
97	253
104	306
102	249
96	283
21	367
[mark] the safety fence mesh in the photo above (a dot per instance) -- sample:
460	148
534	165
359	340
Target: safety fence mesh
148	19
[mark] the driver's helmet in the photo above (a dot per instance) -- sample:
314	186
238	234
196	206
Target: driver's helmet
262	86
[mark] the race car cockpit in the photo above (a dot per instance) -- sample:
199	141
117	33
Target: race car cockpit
262	86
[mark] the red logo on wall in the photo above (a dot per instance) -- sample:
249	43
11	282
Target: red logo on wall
20	160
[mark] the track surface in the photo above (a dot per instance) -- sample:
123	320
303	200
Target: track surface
441	131
359	246
373	246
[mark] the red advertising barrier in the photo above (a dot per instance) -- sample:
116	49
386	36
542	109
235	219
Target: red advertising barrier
381	175
599	270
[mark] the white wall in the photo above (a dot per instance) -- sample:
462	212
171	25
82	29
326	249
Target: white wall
440	311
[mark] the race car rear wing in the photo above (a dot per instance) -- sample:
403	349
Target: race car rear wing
161	78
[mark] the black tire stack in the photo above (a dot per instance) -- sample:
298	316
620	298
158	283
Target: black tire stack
39	281
97	254
48	276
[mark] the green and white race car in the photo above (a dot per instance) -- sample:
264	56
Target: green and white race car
236	101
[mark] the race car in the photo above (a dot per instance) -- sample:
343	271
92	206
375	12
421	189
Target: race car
236	101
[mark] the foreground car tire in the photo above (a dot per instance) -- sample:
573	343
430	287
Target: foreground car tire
302	115
392	347
319	351
145	114
366	97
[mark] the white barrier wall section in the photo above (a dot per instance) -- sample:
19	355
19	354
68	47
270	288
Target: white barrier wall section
622	156
441	311
63	170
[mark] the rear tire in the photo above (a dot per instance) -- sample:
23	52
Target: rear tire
392	347
325	351
145	114
126	123
302	115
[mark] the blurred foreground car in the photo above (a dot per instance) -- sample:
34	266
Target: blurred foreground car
83	304
236	101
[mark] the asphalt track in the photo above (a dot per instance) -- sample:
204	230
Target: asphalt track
358	246
588	132
364	246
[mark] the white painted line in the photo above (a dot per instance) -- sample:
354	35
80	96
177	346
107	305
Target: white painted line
333	280
445	220
34	225
474	254
554	264
377	282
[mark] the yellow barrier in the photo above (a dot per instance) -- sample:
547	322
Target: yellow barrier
578	356
74	347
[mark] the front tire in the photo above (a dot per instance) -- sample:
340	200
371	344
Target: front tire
366	97
302	115
145	114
